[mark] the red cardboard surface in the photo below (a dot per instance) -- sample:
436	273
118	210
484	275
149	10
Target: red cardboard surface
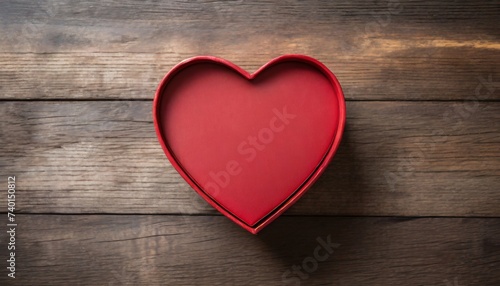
250	144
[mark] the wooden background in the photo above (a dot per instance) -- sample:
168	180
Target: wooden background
412	197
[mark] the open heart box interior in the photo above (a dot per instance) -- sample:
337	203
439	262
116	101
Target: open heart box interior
250	144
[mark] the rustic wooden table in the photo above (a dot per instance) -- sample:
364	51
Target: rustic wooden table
412	197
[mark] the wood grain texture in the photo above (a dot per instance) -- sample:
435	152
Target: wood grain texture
395	50
396	158
99	204
201	250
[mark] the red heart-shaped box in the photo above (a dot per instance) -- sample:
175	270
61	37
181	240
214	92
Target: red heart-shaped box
250	144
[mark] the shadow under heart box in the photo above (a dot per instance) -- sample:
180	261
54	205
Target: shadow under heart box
250	144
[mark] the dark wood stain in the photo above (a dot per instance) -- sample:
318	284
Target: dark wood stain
411	198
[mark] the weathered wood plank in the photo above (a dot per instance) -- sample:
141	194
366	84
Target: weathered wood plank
397	158
201	26
136	76
379	50
178	250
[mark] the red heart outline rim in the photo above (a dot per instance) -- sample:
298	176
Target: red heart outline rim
302	189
